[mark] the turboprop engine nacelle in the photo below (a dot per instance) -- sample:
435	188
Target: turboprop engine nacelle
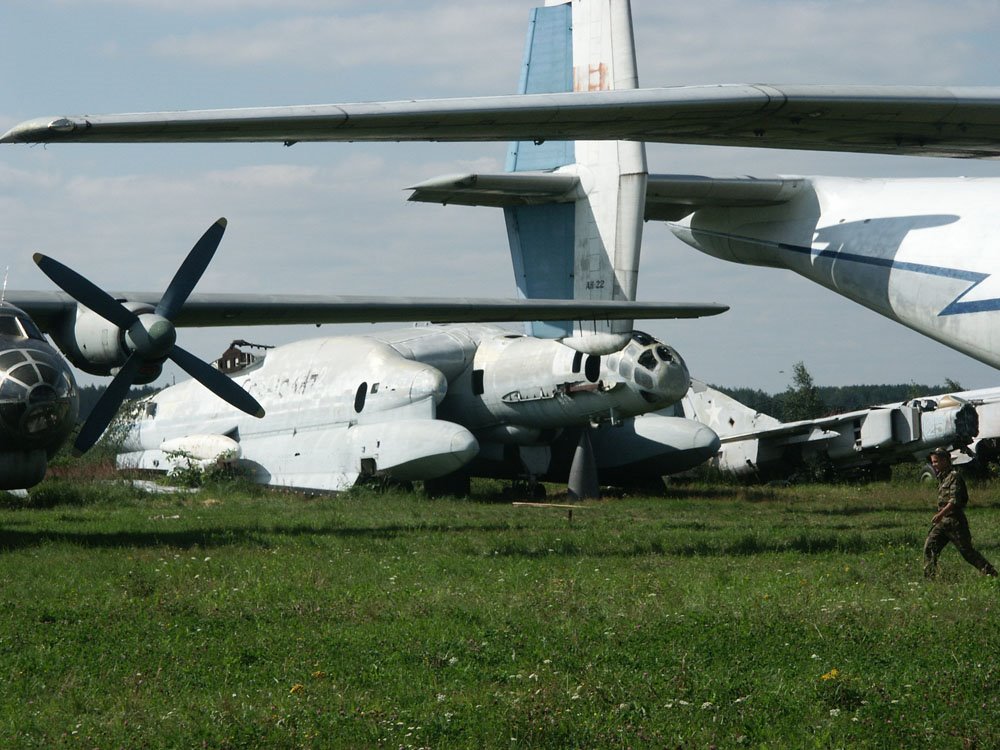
539	384
99	347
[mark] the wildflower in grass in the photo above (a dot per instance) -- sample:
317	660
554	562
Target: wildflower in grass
298	687
834	712
831	675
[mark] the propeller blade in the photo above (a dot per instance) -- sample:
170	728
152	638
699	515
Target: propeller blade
107	406
216	382
191	270
86	293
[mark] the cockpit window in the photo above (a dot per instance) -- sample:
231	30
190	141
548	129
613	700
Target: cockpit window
19	326
10	327
643	339
30	329
664	354
647	360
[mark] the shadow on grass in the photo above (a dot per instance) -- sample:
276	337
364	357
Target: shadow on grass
256	536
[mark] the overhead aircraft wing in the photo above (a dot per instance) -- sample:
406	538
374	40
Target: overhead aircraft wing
47	309
918	120
669	197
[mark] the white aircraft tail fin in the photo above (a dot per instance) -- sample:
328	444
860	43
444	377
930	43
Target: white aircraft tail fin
589	248
725	415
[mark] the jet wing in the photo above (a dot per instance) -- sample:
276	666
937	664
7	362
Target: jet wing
919	120
47	309
669	197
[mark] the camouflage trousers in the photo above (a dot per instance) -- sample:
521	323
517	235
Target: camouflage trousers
955	529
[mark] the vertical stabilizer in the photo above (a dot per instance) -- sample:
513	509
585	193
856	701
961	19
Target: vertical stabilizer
588	249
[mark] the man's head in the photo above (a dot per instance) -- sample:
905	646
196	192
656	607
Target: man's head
940	460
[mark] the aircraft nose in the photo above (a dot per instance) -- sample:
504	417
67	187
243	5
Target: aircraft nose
37	396
428	382
704	440
673	378
464	446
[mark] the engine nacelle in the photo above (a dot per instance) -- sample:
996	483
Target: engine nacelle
98	346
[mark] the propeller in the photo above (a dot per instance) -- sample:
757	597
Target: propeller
151	336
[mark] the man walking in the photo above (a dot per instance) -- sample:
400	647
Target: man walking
949	523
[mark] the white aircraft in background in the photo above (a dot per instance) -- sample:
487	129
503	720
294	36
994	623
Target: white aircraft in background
364	405
915	250
863	443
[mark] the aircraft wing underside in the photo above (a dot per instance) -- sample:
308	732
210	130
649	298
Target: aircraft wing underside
203	310
668	197
916	120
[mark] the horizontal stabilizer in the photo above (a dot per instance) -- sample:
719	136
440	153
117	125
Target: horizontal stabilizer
498	190
916	120
669	197
204	310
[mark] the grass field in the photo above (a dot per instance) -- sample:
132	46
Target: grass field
715	617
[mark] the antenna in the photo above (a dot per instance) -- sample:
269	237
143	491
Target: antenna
3	292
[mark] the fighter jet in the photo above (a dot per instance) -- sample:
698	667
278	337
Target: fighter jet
914	250
864	443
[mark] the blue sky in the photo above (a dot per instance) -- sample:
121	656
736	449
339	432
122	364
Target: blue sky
332	218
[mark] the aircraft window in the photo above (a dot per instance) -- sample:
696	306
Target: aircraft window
26	373
592	369
625	368
49	374
643	379
10	390
9	326
359	397
643	339
150	409
577	360
664	354
478	386
30	329
374	388
647	360
10	359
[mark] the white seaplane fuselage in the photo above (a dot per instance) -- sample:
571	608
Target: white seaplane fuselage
410	404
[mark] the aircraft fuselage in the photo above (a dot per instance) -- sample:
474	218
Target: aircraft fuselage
414	403
920	251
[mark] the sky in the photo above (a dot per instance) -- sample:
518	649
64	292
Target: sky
328	218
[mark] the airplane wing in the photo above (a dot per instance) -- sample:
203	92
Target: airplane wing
917	120
47	309
668	197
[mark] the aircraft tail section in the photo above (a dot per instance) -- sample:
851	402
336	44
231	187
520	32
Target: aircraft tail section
587	248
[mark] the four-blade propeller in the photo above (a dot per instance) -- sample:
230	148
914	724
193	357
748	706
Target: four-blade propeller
150	336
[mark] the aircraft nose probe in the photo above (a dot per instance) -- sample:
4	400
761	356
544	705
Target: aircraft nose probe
150	336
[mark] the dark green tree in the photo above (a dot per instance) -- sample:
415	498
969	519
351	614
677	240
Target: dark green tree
952	385
802	400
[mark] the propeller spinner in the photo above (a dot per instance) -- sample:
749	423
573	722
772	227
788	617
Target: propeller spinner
150	336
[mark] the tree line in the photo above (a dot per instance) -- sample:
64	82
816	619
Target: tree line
803	399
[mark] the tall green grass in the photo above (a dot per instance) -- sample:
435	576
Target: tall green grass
718	616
